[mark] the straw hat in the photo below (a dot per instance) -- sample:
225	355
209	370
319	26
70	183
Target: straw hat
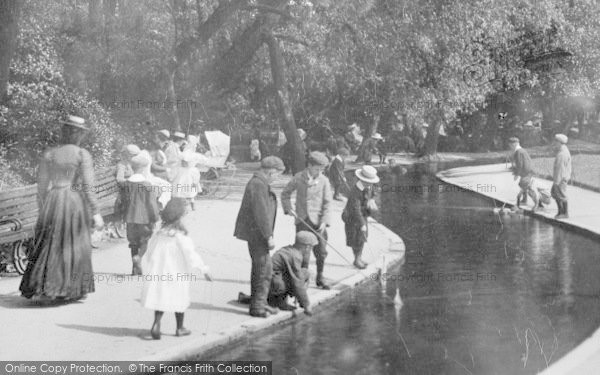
561	138
367	174
377	136
165	133
179	135
75	121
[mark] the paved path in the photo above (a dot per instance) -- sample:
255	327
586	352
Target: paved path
111	325
496	181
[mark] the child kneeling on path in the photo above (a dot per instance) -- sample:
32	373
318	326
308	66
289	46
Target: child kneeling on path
167	268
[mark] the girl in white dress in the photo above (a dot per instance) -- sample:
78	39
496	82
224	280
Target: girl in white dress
167	268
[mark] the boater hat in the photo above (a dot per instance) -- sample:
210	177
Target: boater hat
75	121
179	135
376	136
367	174
561	138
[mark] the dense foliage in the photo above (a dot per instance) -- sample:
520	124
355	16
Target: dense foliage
121	63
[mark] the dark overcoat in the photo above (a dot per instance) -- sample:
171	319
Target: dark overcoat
256	218
355	215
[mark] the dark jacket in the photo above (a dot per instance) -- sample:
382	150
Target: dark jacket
256	218
139	203
335	172
521	163
288	275
355	215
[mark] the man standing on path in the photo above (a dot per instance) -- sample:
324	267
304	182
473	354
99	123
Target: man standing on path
562	175
313	201
255	224
521	168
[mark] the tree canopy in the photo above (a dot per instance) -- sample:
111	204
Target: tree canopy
190	65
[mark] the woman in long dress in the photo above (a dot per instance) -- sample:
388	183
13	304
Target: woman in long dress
60	265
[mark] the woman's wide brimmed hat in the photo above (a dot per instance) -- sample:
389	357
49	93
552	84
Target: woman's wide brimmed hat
76	122
367	174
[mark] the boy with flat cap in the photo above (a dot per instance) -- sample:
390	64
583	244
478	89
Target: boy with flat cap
255	224
289	278
562	175
522	170
313	212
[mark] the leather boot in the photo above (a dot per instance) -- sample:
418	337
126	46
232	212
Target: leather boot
563	212
320	279
243	298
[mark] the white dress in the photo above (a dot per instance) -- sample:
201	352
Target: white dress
167	270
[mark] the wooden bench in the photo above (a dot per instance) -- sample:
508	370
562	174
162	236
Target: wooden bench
19	212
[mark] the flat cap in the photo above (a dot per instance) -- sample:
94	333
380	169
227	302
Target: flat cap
561	138
513	140
317	158
306	238
141	160
272	162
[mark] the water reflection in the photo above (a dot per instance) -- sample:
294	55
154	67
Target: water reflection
479	292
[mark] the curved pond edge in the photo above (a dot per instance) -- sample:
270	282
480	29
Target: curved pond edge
391	256
585	356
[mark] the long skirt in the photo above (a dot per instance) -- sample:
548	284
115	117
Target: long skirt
60	265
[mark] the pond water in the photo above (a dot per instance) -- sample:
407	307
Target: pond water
481	293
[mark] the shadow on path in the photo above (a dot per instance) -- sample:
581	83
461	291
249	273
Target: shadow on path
110	331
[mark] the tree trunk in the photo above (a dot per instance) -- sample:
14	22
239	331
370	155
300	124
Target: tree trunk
365	143
172	98
283	101
184	50
433	134
9	17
